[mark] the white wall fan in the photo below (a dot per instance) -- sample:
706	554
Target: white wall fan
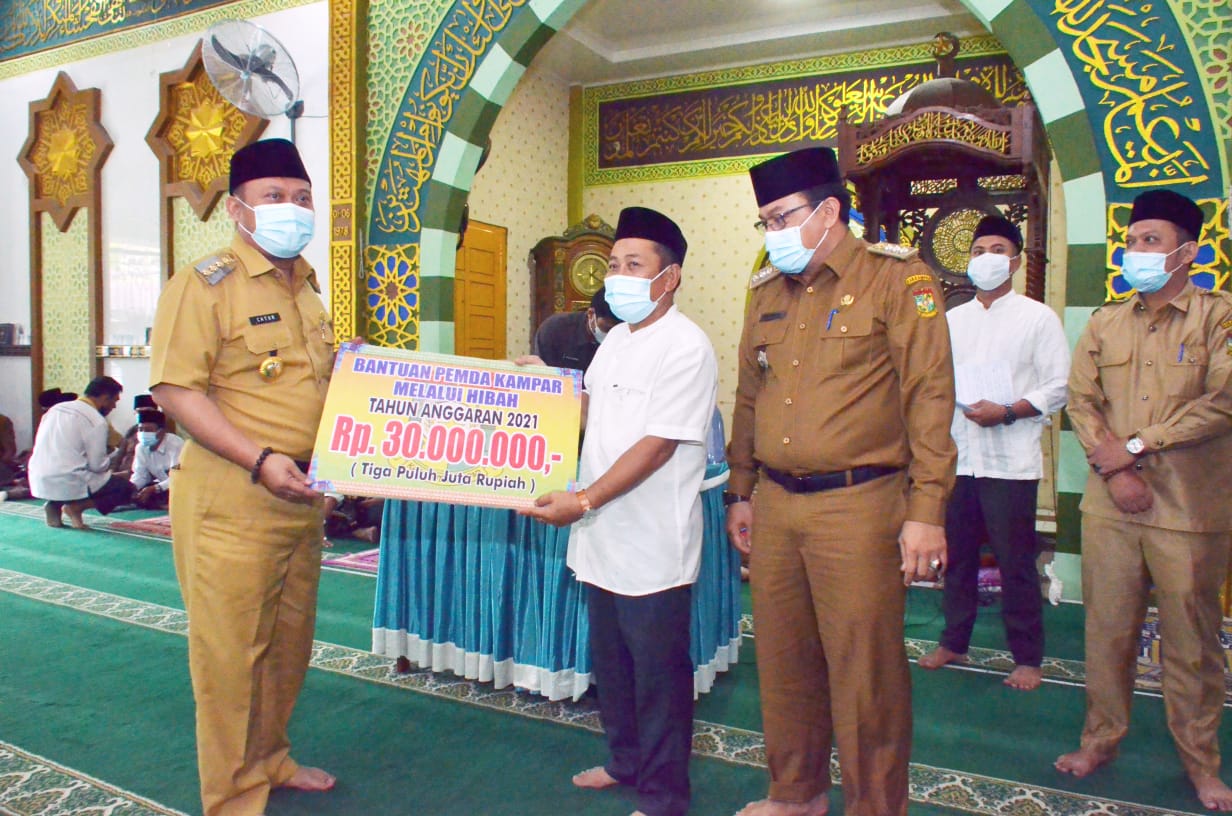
252	70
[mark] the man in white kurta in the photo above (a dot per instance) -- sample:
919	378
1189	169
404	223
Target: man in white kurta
158	452
1000	461
637	534
70	464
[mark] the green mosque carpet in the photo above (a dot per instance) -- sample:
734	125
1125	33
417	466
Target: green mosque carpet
96	712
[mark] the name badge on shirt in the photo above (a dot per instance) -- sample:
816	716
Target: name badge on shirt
261	320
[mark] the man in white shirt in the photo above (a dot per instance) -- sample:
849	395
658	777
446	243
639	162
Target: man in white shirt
1000	463
650	393
70	466
158	452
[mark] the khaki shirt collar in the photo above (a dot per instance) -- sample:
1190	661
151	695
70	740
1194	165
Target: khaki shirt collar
1180	302
256	264
839	259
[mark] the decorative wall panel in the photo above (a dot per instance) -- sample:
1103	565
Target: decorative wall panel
63	159
67	334
193	237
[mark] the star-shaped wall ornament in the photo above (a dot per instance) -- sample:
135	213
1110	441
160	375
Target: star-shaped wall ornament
195	133
63	155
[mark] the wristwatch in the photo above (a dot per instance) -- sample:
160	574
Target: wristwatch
1135	445
733	498
1010	416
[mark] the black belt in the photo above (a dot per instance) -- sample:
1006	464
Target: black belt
817	482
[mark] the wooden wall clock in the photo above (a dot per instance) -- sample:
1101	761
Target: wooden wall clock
566	270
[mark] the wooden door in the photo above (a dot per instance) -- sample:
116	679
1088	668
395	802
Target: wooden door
479	293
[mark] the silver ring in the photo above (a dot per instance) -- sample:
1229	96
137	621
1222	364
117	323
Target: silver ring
935	564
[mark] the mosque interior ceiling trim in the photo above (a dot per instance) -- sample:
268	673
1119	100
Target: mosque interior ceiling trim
40	34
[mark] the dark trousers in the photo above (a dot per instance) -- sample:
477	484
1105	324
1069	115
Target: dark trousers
639	650
1003	511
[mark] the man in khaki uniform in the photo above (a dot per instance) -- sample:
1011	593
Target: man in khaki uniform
241	359
842	421
1151	402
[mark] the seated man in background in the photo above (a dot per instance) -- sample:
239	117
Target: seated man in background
157	453
70	466
570	339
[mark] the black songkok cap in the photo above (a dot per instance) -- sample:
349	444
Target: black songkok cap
152	415
269	158
144	401
997	225
1171	207
794	172
53	396
643	222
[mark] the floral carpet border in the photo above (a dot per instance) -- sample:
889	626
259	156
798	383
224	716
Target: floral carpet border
969	793
31	785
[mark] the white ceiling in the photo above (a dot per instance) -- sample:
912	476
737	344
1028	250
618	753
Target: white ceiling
620	40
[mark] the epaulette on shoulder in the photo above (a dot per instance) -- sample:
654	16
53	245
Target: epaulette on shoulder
890	250
764	275
216	267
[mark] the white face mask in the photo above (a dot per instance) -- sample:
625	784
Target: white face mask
595	331
990	270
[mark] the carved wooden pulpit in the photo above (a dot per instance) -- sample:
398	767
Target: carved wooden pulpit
947	155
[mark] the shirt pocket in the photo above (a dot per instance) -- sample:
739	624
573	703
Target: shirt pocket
1185	374
1114	370
848	343
769	346
626	415
267	340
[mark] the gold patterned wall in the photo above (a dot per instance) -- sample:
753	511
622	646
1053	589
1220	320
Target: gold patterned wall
68	344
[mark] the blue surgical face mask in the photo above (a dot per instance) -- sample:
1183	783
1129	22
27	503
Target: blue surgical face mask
148	438
787	250
282	230
1147	271
593	325
629	297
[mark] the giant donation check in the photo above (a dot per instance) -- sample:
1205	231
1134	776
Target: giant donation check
431	427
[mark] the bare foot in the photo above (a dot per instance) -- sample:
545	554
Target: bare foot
369	534
596	778
1081	762
52	514
1215	795
1025	678
939	657
310	779
819	805
74	517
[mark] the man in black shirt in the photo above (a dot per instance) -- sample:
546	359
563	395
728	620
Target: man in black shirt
570	339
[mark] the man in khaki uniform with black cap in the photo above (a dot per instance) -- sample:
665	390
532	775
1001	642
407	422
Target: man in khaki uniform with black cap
842	421
1151	402
241	359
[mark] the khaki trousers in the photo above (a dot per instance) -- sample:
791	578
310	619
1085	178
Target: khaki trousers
828	602
248	566
1120	562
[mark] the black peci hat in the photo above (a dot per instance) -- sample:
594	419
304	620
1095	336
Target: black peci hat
269	158
1166	205
643	222
794	172
997	225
